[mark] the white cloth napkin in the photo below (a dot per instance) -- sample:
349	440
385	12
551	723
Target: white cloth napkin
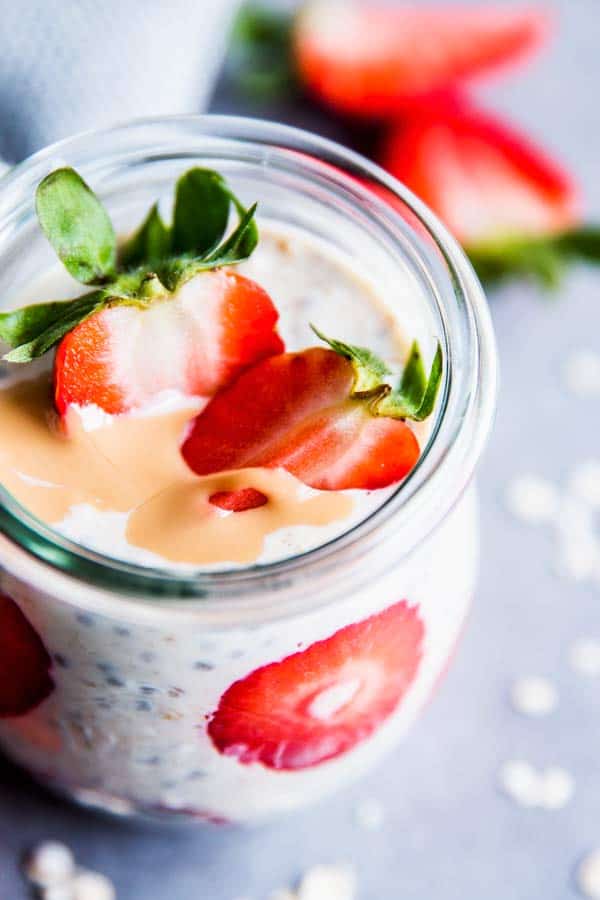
72	65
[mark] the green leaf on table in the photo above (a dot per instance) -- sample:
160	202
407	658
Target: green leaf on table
78	226
541	259
262	57
150	244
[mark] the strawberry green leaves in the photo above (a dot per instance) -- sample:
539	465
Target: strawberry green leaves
196	241
47	324
542	259
415	396
150	244
206	190
77	226
151	265
369	369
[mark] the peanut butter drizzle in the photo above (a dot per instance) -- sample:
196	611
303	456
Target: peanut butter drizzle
133	465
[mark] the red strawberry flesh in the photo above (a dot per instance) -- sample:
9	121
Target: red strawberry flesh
195	342
25	665
321	702
482	178
367	60
240	500
295	411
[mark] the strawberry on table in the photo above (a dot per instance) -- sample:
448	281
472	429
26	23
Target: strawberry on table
516	210
369	59
25	665
167	312
327	416
484	180
321	702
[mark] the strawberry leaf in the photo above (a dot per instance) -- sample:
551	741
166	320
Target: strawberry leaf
48	323
415	396
202	203
149	267
542	259
369	369
77	226
150	243
238	246
262	57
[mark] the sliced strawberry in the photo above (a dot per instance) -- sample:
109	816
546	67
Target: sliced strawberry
368	60
24	663
483	179
319	703
301	412
238	501
196	341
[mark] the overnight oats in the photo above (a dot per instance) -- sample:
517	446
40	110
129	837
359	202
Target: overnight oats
239	537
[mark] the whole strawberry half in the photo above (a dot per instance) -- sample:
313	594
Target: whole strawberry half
322	701
325	415
25	665
194	341
368	60
484	180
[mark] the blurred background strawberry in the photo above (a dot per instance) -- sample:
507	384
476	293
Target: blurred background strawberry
399	80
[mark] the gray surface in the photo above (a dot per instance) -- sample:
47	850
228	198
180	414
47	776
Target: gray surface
448	832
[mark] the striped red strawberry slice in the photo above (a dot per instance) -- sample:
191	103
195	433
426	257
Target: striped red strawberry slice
25	665
322	701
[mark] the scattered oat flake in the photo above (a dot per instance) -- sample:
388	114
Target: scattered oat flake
588	875
334	882
584	657
584	482
370	814
550	788
578	556
519	780
534	696
92	886
58	892
532	499
50	863
582	373
557	788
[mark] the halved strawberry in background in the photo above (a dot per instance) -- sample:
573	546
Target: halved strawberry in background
368	60
304	412
25	664
195	341
484	180
322	701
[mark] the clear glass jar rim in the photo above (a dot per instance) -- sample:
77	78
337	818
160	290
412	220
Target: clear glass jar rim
449	459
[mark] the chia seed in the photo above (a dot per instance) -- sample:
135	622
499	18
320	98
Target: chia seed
143	706
120	631
203	666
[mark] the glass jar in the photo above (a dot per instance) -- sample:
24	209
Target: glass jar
227	696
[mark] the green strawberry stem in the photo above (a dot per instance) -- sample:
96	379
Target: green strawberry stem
151	265
262	54
416	393
543	259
